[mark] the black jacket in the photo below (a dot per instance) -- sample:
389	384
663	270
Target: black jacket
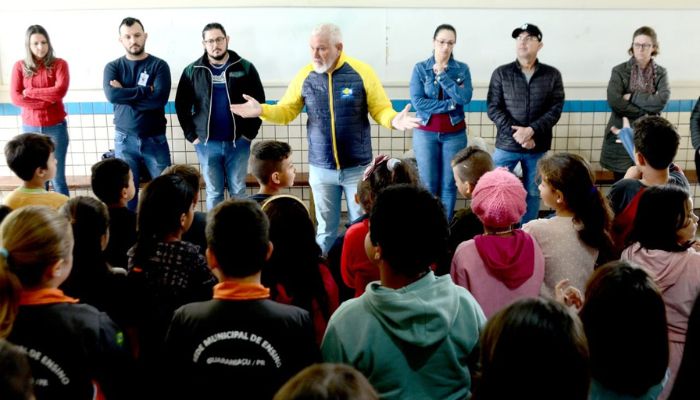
695	125
512	101
194	93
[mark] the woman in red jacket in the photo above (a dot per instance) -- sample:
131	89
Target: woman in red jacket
39	83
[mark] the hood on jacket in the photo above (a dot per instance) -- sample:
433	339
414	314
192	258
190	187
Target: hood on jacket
664	267
510	259
421	313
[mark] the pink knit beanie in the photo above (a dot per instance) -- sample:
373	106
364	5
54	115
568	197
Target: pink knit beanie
499	199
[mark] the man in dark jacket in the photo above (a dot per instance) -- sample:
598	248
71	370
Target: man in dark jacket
138	85
525	100
203	101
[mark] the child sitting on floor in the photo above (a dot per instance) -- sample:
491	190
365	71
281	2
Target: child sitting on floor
327	382
503	264
624	320
165	272
75	351
113	183
656	144
296	273
31	157
271	165
664	230
578	237
468	165
92	280
357	270
239	344
413	334
534	349
191	175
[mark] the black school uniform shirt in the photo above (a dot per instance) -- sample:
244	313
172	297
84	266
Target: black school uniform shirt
242	349
71	345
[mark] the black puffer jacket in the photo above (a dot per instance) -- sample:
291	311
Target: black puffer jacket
512	101
695	125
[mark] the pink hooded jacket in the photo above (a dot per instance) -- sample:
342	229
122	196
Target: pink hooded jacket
500	270
678	277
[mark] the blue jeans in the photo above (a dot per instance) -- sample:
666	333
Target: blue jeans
152	151
528	163
224	164
327	187
59	135
434	152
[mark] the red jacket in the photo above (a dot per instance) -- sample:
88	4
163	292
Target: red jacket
42	102
356	268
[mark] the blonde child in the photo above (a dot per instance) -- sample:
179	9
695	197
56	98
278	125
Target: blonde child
578	237
75	351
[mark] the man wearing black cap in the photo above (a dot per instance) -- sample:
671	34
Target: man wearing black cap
525	100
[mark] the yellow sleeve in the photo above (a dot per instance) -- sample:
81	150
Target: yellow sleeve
290	104
378	102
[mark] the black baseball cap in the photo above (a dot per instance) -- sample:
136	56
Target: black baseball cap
533	30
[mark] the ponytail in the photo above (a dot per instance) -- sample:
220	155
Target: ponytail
385	171
31	239
9	295
572	176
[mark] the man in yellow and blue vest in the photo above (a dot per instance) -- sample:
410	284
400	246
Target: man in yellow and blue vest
339	92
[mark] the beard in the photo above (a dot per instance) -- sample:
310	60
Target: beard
322	68
219	57
138	52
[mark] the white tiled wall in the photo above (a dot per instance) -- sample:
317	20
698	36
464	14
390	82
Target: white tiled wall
92	135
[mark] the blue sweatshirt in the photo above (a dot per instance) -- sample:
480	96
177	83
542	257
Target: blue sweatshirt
139	104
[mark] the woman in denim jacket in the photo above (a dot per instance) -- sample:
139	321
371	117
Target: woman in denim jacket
440	88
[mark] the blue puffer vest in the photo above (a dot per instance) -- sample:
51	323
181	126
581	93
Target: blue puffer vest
346	123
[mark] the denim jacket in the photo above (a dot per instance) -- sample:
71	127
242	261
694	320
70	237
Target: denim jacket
456	83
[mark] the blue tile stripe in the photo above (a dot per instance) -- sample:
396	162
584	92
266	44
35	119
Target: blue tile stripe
580	106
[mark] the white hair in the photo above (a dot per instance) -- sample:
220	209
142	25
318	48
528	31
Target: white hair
331	31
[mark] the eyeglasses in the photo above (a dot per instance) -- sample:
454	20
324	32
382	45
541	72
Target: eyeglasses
642	46
449	43
527	38
211	42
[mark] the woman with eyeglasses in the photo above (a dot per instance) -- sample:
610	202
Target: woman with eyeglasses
637	87
440	88
38	85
